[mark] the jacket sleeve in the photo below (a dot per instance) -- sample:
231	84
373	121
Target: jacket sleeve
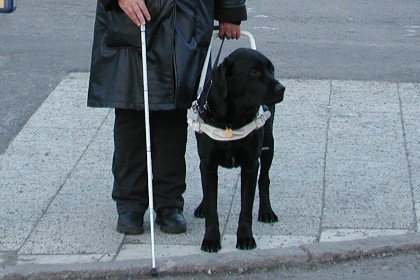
109	4
230	10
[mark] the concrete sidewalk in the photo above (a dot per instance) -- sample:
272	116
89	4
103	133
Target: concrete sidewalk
345	182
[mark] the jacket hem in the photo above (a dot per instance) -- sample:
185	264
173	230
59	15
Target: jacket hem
138	106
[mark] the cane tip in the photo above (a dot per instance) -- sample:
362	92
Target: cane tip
154	272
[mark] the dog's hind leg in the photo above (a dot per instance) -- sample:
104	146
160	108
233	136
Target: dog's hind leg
266	213
199	211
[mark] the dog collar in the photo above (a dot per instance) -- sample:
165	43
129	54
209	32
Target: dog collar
228	134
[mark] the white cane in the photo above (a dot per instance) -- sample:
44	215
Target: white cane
154	271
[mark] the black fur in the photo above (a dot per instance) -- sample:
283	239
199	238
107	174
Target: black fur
241	83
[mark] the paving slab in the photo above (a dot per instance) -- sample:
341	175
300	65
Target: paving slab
344	182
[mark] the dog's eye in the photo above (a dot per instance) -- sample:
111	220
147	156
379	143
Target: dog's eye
255	72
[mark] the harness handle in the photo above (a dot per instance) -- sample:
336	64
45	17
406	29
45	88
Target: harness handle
206	61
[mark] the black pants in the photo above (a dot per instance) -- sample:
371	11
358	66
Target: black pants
168	134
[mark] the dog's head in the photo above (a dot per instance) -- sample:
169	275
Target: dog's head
246	78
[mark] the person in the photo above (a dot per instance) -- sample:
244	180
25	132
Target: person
178	33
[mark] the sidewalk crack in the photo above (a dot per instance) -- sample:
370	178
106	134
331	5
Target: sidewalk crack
407	158
324	180
44	211
237	185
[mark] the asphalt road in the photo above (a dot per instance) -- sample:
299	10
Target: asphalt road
350	40
389	267
40	43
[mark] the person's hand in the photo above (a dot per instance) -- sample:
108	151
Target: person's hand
229	30
136	10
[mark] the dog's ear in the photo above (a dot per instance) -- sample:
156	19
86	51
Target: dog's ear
272	70
221	76
220	87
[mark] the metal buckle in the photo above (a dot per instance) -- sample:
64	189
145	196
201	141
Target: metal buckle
260	121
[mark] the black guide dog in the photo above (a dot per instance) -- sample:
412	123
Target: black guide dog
242	83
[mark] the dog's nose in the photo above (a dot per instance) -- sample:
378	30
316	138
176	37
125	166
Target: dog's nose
279	89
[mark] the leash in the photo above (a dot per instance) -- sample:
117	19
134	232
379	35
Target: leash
202	99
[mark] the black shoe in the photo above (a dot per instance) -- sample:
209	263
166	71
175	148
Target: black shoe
171	220
130	223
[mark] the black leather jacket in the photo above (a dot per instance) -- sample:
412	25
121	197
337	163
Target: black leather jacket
177	39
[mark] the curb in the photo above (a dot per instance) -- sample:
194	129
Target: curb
236	262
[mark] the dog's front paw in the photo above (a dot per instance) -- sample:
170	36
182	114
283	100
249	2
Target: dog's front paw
211	246
267	216
246	243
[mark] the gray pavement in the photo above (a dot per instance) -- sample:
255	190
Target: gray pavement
345	183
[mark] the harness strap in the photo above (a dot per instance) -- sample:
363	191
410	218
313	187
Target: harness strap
228	134
202	99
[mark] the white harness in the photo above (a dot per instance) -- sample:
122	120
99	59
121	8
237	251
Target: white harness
228	134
